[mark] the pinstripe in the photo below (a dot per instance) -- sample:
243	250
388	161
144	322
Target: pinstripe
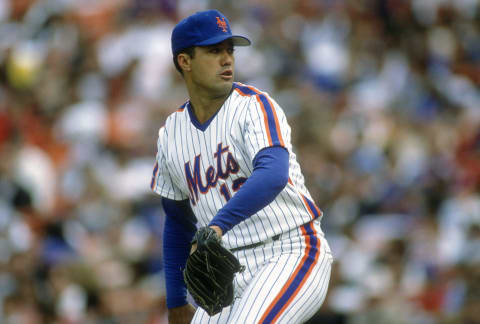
302	272
248	299
272	282
317	302
164	187
280	274
271	139
193	153
246	276
176	131
196	136
324	280
288	207
253	150
266	279
248	267
245	164
305	301
257	140
279	209
230	128
208	148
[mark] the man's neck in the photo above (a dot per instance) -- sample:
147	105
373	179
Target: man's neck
205	107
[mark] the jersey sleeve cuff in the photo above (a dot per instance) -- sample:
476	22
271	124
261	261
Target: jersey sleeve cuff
224	227
168	194
176	302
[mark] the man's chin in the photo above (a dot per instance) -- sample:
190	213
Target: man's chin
225	87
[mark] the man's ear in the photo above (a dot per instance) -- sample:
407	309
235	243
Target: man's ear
184	61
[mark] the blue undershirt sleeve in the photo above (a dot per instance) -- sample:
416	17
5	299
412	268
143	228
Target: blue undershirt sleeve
269	177
177	235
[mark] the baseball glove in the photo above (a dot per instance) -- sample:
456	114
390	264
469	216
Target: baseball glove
209	272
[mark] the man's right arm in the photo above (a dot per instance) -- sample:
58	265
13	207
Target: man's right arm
181	315
178	233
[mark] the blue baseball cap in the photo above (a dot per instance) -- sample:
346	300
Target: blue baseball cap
204	28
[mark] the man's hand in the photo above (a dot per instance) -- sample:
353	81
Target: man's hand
181	315
210	270
217	229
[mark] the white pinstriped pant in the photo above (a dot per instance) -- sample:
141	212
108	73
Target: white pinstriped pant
285	281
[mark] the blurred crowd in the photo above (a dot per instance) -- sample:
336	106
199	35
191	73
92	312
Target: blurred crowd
383	97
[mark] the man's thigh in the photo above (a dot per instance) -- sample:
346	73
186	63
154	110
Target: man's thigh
289	290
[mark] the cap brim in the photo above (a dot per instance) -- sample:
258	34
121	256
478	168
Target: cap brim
237	40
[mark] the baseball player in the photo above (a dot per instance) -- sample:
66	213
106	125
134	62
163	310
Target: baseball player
225	160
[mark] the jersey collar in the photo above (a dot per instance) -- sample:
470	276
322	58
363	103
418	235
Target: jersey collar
205	125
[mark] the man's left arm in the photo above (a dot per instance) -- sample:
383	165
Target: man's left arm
269	177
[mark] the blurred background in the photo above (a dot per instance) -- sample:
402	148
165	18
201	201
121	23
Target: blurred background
383	98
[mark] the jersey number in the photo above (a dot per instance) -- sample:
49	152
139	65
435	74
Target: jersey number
225	192
237	183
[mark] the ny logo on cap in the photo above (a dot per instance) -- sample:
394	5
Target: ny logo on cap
222	24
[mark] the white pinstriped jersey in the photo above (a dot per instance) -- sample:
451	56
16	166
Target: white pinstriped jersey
208	163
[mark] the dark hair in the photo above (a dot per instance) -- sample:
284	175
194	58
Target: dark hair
190	51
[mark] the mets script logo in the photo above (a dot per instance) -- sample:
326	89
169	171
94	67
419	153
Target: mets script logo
212	174
222	24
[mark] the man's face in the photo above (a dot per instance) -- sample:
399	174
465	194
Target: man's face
212	68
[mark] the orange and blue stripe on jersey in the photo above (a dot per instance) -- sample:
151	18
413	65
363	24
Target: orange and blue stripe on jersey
298	278
313	210
182	107
272	125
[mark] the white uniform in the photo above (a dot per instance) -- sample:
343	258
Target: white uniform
208	163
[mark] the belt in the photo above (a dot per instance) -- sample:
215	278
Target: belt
254	245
